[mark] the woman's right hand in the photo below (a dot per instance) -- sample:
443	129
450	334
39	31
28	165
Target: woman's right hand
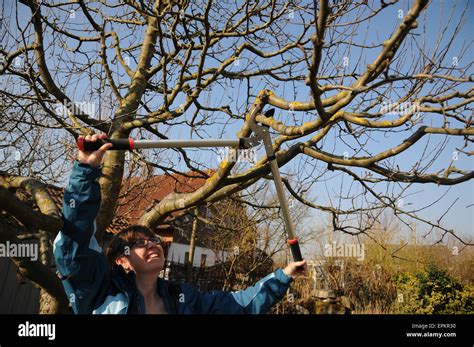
93	159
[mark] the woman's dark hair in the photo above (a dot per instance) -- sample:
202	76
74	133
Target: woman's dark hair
125	238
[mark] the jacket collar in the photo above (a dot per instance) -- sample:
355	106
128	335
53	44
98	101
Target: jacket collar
127	283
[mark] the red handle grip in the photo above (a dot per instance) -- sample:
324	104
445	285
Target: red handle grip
296	251
118	144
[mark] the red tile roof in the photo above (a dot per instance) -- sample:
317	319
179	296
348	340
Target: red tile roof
138	195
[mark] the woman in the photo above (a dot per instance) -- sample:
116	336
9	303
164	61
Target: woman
126	281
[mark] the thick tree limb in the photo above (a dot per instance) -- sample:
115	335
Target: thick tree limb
34	270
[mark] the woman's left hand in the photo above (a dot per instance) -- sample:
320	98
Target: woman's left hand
292	269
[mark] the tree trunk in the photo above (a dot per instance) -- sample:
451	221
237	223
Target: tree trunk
48	303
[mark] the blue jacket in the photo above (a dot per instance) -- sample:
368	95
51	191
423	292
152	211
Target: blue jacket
94	287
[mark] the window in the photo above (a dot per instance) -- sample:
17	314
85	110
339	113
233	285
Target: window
186	258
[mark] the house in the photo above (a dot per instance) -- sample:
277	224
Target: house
139	195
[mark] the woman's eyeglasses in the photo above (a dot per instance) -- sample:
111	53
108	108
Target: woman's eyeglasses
140	243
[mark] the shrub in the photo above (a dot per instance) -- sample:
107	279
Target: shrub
432	291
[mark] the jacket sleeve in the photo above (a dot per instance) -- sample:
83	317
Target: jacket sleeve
254	300
80	262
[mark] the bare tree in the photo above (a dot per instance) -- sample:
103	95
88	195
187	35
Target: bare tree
247	240
158	69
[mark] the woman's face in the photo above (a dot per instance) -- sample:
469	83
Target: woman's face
146	256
